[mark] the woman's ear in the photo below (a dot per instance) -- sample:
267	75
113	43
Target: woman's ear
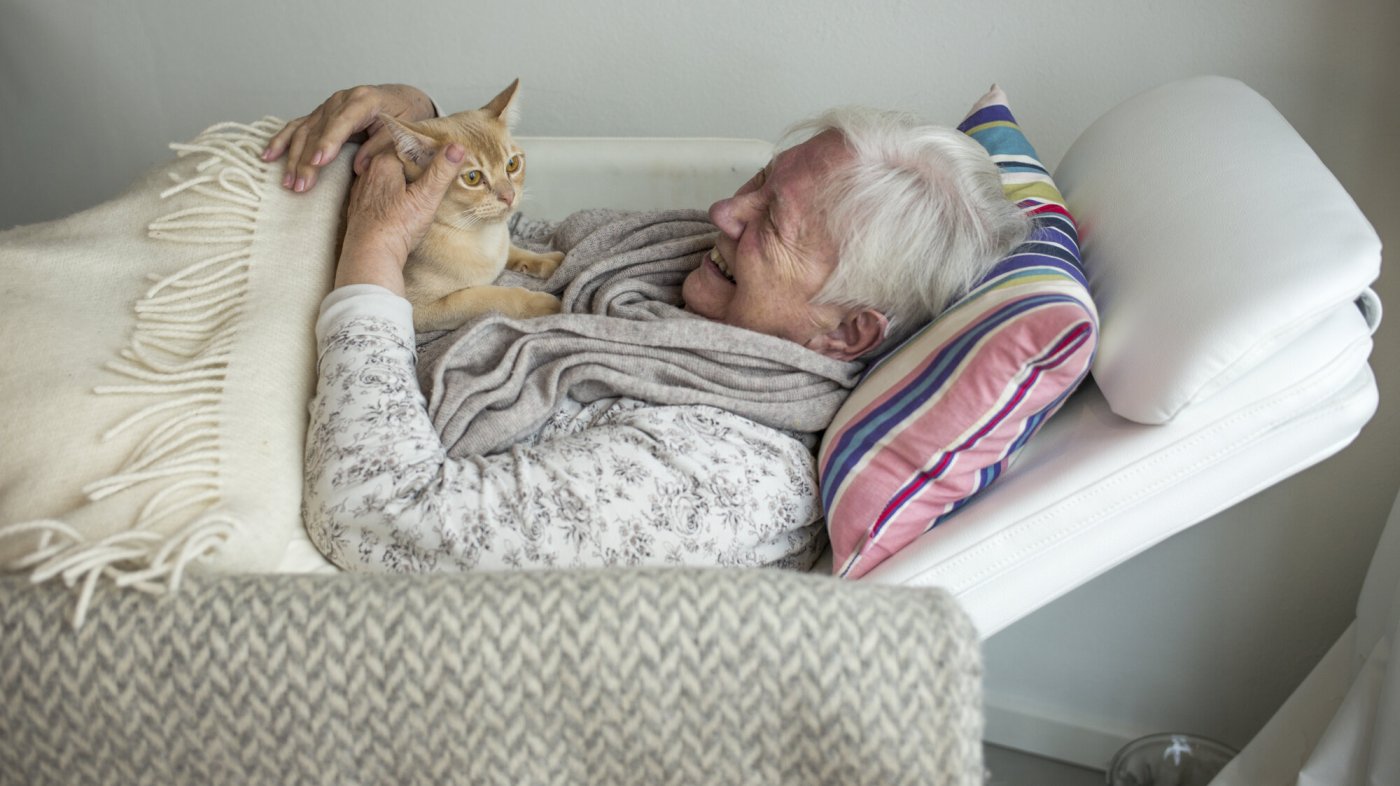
859	331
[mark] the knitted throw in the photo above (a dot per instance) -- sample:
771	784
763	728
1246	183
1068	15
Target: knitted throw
604	677
623	333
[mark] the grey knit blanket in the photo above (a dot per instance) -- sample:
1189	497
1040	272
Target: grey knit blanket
709	677
623	333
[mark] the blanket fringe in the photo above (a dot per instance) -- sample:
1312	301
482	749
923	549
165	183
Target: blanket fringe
180	350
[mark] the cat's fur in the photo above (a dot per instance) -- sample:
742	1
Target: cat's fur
448	277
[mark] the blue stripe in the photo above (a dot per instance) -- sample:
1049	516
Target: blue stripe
1004	141
1066	237
1055	224
1032	264
987	114
1032	427
1021	166
862	436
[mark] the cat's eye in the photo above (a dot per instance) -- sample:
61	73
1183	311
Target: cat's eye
514	164
472	178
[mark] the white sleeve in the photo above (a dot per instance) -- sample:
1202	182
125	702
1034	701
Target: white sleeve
615	483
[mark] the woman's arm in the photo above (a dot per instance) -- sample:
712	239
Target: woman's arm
315	140
617	483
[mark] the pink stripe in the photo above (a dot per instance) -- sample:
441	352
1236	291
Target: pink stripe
923	478
941	486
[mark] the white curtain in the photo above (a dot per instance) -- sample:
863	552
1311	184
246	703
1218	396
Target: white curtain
1342	726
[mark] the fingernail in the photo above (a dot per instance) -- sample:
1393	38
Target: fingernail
287	180
455	153
267	153
301	184
316	159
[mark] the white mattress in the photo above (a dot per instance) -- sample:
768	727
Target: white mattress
1093	489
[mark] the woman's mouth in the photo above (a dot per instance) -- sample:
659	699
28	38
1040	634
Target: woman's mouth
721	264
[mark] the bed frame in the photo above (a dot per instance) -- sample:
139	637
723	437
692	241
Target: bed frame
1093	488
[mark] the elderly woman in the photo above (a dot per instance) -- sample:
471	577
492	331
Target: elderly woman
841	246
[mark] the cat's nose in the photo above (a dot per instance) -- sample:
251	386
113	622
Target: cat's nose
507	196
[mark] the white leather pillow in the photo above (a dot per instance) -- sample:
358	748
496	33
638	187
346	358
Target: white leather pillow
158	360
1210	233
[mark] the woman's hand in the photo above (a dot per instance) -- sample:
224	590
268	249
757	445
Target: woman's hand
313	141
388	217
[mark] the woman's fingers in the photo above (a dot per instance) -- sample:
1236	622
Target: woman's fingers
432	185
344	114
387	217
278	145
315	140
338	128
294	177
377	191
391	210
381	140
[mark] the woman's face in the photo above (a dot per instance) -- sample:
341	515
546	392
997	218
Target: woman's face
773	253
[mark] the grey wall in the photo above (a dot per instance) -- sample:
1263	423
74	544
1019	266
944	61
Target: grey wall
1207	632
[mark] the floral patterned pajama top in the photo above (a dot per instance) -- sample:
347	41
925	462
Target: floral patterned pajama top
614	482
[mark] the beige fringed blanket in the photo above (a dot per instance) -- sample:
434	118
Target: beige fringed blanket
623	333
160	357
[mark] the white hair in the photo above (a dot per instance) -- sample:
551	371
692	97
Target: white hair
920	216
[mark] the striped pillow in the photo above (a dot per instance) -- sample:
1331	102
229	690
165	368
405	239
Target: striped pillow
942	416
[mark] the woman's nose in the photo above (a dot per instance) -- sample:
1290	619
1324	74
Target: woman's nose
731	214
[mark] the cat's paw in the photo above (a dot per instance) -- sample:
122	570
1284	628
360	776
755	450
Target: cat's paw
538	265
539	304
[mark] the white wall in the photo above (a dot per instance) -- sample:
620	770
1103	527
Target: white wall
1206	633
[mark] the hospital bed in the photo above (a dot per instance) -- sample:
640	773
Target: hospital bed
1231	273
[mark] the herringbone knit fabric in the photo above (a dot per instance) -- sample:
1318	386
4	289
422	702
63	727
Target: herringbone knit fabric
585	677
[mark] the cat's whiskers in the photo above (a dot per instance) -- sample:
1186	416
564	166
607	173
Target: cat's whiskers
488	212
464	220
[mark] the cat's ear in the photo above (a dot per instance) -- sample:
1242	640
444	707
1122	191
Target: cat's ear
504	106
414	147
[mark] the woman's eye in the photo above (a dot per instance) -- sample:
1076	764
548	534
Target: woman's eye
755	182
513	165
472	178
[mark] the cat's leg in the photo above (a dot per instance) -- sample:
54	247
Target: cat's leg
451	310
532	264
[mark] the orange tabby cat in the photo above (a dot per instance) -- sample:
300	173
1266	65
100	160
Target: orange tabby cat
448	277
